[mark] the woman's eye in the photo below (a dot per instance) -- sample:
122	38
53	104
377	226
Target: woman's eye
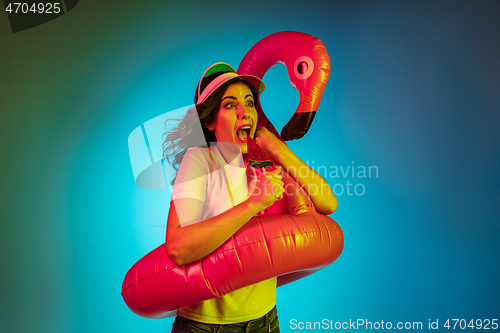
250	103
229	105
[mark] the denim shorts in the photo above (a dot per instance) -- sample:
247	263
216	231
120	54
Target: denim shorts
267	323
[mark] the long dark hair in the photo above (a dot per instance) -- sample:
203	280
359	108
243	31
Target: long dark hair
180	136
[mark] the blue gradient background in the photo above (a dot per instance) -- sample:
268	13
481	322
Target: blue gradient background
414	90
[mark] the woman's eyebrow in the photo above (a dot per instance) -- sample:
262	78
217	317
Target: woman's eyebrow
229	97
232	97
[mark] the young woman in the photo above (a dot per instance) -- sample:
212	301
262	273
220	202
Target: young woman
212	198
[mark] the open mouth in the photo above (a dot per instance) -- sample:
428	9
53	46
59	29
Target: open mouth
243	132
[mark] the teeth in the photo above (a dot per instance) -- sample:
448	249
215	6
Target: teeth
243	132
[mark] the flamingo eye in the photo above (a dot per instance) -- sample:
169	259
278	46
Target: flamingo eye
302	67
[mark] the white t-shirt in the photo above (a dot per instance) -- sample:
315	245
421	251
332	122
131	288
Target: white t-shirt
197	179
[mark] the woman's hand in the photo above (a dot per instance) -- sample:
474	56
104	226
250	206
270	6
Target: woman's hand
269	142
267	189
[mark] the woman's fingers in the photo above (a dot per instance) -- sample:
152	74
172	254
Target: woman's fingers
269	187
276	173
278	189
276	181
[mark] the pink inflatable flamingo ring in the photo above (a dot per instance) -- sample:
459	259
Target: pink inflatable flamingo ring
289	240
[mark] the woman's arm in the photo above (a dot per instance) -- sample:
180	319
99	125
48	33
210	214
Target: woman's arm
318	189
195	239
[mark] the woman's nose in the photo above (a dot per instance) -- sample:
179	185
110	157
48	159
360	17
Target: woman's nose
242	111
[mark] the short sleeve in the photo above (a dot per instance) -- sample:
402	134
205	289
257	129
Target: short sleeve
192	176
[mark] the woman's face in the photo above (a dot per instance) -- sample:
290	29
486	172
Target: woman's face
236	117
